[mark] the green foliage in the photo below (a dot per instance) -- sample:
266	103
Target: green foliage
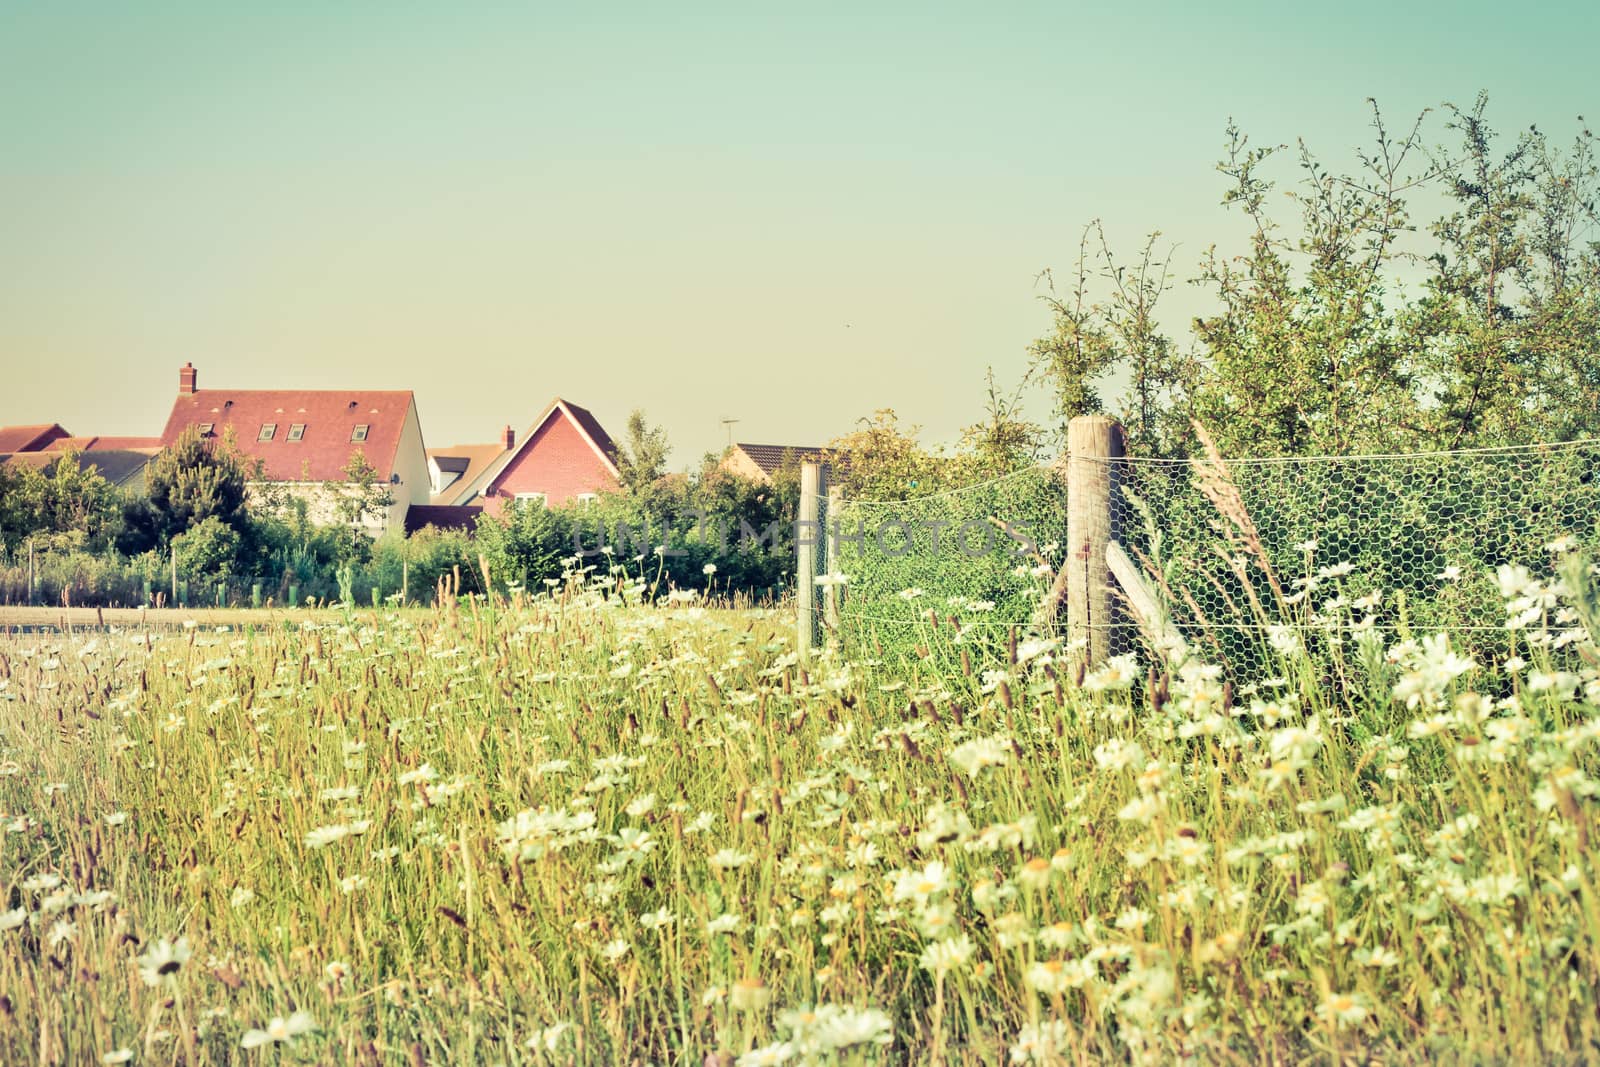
191	480
526	545
642	454
883	461
362	500
208	550
68	496
1320	341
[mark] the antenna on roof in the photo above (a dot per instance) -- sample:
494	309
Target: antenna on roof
729	424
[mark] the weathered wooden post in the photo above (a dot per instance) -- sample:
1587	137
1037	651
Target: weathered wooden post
805	570
1094	444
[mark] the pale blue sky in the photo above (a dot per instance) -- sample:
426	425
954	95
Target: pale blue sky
679	210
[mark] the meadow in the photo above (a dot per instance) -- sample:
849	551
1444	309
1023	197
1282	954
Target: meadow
571	829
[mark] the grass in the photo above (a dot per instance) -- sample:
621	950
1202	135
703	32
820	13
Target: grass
570	831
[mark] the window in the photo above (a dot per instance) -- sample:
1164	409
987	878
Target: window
297	430
267	430
205	428
360	432
587	498
539	497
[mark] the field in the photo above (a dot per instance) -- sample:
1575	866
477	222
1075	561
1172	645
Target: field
566	830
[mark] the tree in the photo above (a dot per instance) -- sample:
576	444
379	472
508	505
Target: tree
1322	339
1004	441
1508	329
67	496
363	499
642	458
882	461
193	479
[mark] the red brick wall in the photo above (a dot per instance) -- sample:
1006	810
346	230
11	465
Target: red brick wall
558	462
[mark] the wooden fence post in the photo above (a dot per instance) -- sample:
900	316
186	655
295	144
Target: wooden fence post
805	573
1094	443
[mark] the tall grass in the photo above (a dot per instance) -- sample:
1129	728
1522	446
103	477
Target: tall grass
571	830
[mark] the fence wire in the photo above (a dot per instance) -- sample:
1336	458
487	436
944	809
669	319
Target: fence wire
1251	558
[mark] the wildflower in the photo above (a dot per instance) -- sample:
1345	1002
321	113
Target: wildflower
726	923
121	1055
728	858
241	896
1343	1009
922	886
767	1055
973	756
423	774
1050	977
163	959
63	931
941	957
1119	672
323	836
548	1037
1378	956
116	818
842	1028
1046	1043
10	920
280	1030
749	994
616	950
1035	874
337	970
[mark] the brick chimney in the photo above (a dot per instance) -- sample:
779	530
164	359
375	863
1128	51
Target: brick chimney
508	438
187	377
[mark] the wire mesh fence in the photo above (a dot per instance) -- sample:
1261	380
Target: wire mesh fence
1250	557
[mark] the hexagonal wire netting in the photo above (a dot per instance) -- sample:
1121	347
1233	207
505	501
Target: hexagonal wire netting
1249	557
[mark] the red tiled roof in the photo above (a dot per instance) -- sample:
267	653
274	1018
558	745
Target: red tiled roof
329	416
30	438
103	444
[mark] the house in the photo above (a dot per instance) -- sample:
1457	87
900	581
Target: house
305	440
120	460
564	456
760	462
124	468
30	438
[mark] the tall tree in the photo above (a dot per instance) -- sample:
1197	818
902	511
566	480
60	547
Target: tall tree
642	457
191	480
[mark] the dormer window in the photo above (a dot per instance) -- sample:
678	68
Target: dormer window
360	432
268	429
205	428
297	430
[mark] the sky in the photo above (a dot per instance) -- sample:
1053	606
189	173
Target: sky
789	218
